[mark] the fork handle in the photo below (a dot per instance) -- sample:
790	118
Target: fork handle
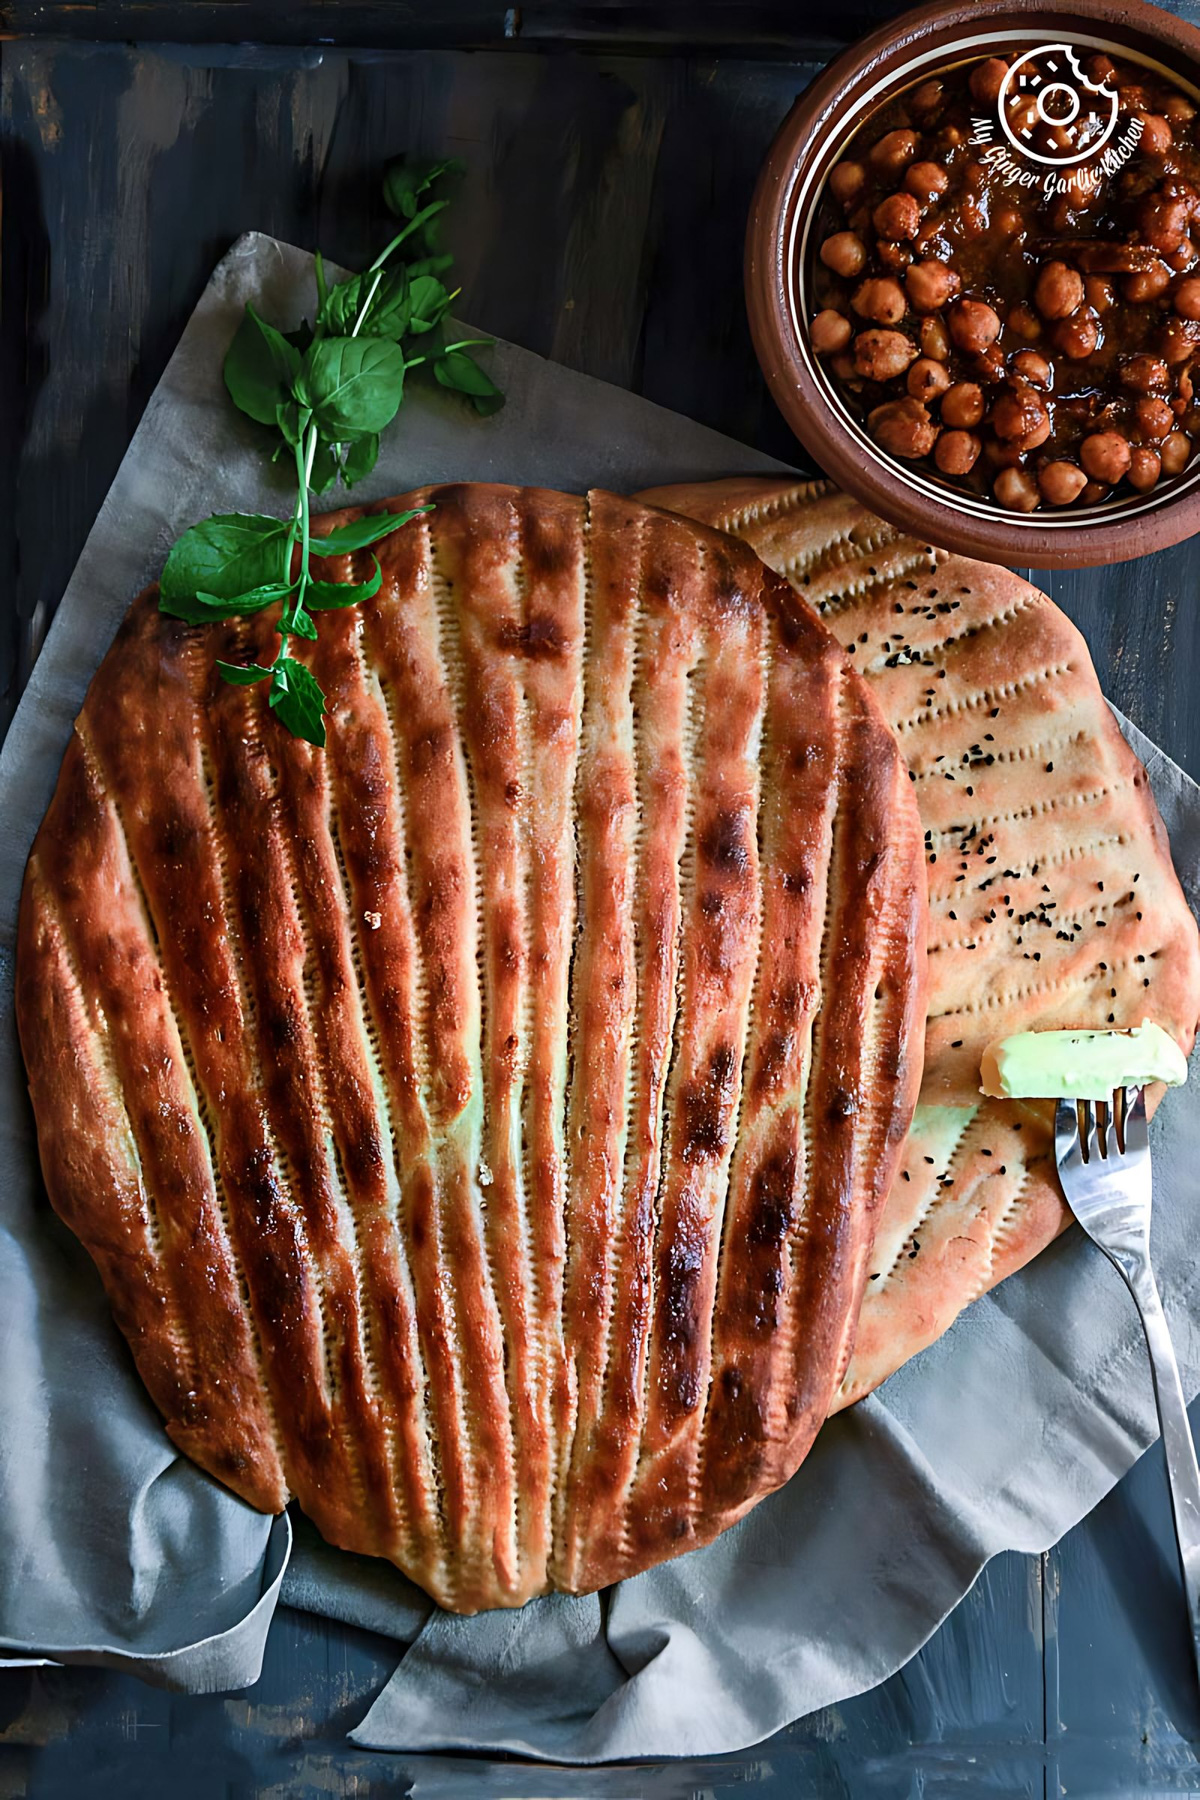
1182	1472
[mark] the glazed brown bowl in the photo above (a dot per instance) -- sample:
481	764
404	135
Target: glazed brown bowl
812	138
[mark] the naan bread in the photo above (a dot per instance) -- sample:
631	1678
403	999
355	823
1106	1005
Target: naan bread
1053	899
479	1126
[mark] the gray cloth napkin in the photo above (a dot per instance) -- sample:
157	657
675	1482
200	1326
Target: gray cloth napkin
117	1551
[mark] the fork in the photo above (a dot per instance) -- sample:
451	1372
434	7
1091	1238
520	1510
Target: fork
1104	1163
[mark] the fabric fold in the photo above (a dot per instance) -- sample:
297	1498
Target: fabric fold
117	1551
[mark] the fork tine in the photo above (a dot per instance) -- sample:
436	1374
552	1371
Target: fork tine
1137	1129
1120	1106
1102	1129
1083	1120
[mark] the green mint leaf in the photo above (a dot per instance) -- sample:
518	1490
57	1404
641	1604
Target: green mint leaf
325	467
325	596
298	701
463	375
292	420
384	294
207	609
226	556
260	366
322	284
428	299
361	532
298	624
407	179
430	265
360	459
241	675
355	384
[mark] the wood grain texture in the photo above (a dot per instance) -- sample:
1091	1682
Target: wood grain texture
94	294
480	1126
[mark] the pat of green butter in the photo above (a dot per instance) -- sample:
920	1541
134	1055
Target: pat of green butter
1080	1065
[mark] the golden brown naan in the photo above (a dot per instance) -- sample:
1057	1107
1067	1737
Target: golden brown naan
1053	899
479	1126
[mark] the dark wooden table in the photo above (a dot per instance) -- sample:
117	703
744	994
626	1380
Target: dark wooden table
611	152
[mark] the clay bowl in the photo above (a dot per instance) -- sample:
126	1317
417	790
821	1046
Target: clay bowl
812	138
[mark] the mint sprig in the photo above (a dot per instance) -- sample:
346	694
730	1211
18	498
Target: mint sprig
326	393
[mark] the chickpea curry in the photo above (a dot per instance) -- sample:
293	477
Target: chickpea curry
1033	340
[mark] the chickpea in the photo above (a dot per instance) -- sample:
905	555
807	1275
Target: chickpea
894	151
956	452
1154	419
1147	284
880	299
846	181
830	332
1156	137
1016	490
934	339
1132	98
1100	67
1175	453
897	217
1079	335
962	405
1095	490
1163	220
989	364
903	428
882	355
1007	221
1034	368
973	325
1061	482
1182	259
843	367
1145	467
926	180
926	101
1145	374
1022	114
1178	110
986	80
1179	340
927	380
972	218
998	455
1018	412
1098	293
930	285
895	257
1083	188
1105	455
1024	322
1186	298
844	253
1059	291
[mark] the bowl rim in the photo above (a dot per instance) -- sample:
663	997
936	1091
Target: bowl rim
804	397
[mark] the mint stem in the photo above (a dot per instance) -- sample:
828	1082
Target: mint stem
420	218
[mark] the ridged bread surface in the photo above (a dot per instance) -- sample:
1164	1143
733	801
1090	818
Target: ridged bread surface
1053	898
479	1126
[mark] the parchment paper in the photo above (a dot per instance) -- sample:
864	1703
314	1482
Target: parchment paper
117	1551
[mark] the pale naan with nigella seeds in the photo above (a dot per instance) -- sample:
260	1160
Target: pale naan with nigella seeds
1053	898
480	1126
